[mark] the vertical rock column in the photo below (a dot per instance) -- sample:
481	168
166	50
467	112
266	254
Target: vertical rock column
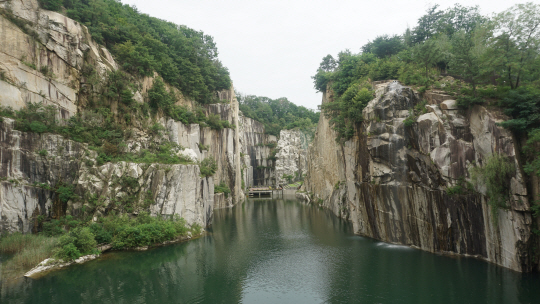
238	194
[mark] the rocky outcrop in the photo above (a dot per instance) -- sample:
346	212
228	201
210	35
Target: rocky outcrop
390	179
34	166
257	163
291	156
43	58
42	61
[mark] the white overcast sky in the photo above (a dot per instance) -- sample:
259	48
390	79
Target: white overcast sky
272	48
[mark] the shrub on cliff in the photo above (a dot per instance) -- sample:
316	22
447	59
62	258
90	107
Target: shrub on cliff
208	166
345	113
222	188
52	5
523	106
495	173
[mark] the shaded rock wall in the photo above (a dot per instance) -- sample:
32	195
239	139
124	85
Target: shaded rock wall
257	168
390	180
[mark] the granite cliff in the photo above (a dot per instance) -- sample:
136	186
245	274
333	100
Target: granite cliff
391	179
44	58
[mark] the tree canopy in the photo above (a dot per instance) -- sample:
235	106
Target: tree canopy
277	114
184	57
502	51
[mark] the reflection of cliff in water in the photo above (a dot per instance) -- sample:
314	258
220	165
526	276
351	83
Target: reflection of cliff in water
269	251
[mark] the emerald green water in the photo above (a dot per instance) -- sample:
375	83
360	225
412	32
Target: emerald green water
276	251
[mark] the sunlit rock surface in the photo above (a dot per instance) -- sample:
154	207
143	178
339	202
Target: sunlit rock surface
291	155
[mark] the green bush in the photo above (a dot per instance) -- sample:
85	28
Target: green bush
222	188
410	121
495	174
78	242
532	153
52	5
345	113
208	166
288	177
46	71
523	106
157	129
83	239
466	102
101	235
53	228
144	230
462	187
158	96
65	193
68	252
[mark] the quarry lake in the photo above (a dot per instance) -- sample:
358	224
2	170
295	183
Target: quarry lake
277	251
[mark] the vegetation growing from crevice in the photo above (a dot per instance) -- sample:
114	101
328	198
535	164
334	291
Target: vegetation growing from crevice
461	187
419	109
222	188
99	129
495	175
208	166
277	114
345	113
185	58
20	23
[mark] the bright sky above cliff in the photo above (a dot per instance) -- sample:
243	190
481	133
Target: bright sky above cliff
272	48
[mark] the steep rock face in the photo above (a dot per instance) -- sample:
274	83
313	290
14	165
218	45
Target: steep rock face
59	44
30	178
161	189
247	158
390	180
44	61
205	142
291	156
258	168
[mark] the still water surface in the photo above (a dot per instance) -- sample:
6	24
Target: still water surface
278	251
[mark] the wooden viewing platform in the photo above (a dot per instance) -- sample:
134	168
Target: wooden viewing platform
263	191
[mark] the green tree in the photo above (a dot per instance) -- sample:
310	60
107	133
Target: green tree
515	42
52	5
328	64
467	54
427	25
384	46
428	53
158	96
460	18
